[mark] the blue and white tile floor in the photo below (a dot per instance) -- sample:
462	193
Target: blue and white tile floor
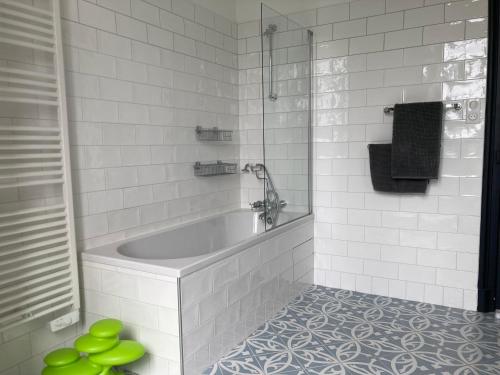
337	332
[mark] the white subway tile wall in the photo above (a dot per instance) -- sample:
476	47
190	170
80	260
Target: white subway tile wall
417	247
368	55
141	76
148	306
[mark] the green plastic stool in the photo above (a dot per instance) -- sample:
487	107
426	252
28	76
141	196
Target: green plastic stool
90	344
67	361
124	353
103	348
106	328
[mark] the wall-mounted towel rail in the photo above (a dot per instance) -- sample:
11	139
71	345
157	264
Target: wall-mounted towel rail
38	273
454	106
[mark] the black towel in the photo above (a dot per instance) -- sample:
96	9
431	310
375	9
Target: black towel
380	168
416	140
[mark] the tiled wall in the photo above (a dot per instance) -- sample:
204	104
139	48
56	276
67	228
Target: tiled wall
224	303
147	304
371	54
141	75
133	140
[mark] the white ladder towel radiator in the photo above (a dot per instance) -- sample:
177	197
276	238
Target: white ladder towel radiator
38	265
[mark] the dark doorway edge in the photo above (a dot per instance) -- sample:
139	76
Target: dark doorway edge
488	287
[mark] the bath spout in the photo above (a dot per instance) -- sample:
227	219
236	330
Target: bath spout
247	168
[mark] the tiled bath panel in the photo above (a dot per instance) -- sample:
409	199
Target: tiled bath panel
224	303
331	331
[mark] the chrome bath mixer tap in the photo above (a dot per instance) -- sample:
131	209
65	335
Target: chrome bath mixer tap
271	206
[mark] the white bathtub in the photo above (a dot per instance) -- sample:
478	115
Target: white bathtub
183	249
193	291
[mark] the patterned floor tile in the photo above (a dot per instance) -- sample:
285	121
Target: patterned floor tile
329	331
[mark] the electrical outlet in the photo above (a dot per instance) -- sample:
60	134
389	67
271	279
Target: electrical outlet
473	113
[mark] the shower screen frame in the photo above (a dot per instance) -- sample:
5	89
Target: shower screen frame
268	35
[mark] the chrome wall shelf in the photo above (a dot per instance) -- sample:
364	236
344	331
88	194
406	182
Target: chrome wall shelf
213	134
214	169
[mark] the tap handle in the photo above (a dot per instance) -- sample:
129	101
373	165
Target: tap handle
255	205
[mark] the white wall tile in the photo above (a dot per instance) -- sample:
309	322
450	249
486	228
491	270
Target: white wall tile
365	8
145	12
131	28
98	17
381	269
417	273
403	38
69	10
183	8
160	37
462	10
349	29
386	22
444	32
423	55
424	16
334	13
119	6
404	220
332	49
365	44
184	45
476	28
97	64
386	59
78	35
414	238
397	5
114	45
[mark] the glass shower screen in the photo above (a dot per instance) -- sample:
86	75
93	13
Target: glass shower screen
286	104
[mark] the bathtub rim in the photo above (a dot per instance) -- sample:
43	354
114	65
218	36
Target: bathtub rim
108	254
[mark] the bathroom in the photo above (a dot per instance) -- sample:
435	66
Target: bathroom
209	173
